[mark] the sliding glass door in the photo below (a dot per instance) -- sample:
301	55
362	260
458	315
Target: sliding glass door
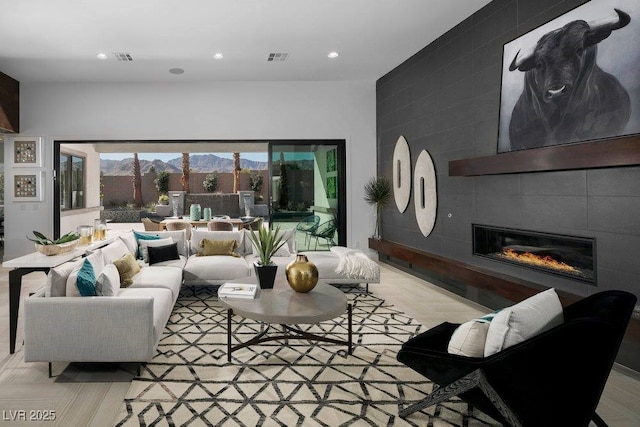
307	191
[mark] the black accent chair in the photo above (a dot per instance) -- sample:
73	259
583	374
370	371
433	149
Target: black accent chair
553	379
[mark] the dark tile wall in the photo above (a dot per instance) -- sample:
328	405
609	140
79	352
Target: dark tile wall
445	99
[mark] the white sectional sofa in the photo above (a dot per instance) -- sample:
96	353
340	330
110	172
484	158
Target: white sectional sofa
127	326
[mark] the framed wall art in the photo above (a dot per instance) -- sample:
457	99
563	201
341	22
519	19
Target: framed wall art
27	152
27	186
574	79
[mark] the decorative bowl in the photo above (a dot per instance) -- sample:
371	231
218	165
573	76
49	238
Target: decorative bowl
60	249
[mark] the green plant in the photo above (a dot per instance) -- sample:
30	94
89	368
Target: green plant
162	182
377	192
163	199
210	182
267	242
255	181
41	239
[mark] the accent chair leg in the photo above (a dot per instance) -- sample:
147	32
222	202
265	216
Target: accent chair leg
50	370
466	383
597	420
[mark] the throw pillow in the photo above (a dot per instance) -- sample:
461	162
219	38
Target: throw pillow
86	279
129	239
108	282
163	253
524	320
114	250
141	237
218	247
56	285
144	245
127	268
469	338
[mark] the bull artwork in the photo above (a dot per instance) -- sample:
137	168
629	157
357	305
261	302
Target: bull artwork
567	97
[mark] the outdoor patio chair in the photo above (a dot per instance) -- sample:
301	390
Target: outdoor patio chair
151	225
216	225
180	224
326	231
308	225
553	378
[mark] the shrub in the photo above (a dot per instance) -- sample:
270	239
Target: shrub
162	182
210	182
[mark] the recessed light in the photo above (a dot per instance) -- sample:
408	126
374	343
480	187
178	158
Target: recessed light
218	56
176	71
333	55
101	55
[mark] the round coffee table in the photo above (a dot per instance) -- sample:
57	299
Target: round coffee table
286	307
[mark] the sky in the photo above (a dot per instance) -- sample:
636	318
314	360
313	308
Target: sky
260	157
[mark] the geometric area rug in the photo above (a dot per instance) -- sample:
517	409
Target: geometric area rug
296	383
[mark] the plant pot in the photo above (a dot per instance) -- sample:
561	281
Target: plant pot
266	275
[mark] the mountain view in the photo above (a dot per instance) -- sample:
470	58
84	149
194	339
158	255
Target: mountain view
197	162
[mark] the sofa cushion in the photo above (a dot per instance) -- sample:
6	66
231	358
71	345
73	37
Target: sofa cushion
157	276
178	236
85	272
163	253
130	241
214	269
144	245
114	250
142	237
524	320
210	247
56	284
127	267
108	282
162	305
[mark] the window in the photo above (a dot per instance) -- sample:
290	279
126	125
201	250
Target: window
71	182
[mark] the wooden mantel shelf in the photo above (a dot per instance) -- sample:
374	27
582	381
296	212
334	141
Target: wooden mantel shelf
598	154
512	288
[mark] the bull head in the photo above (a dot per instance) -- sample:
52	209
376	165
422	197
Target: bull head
598	31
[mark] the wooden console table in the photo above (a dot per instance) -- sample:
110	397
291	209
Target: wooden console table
37	262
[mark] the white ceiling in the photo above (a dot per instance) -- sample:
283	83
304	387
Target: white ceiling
57	40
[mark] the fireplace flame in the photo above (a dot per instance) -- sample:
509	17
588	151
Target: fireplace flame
545	261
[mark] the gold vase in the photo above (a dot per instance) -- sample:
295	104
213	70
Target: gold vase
302	274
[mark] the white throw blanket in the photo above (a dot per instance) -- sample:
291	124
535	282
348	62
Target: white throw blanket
355	264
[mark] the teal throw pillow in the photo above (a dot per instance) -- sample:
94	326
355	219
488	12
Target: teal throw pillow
86	281
141	236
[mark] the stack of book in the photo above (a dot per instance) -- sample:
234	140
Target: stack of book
238	290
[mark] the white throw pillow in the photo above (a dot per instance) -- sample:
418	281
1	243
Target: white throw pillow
108	282
115	250
468	339
524	320
130	241
144	244
98	266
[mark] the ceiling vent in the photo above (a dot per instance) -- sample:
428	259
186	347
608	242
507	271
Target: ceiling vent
277	57
123	56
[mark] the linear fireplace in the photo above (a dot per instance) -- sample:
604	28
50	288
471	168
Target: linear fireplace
567	256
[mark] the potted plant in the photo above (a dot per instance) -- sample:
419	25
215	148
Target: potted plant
377	192
266	242
163	199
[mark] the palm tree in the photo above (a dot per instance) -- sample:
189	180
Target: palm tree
137	182
184	179
236	172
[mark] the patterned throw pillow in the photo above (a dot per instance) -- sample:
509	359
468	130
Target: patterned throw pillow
127	268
